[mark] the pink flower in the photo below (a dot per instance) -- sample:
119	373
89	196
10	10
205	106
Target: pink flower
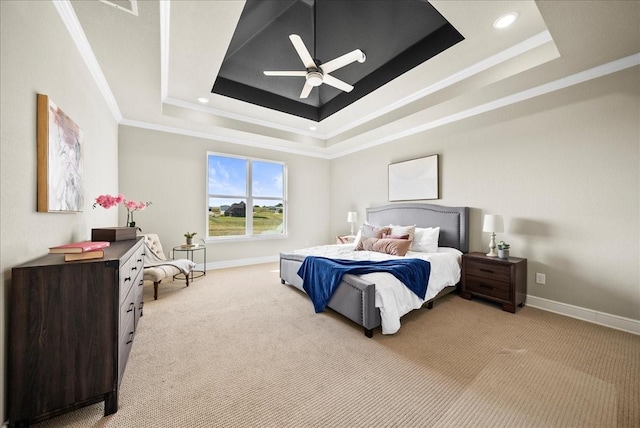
108	201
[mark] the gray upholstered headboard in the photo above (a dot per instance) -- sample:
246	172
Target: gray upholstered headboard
453	221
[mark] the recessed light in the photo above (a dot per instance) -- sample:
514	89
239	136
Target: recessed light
313	128
203	100
505	20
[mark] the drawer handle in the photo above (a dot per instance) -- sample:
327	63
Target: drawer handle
131	306
127	279
141	305
130	338
486	270
139	260
134	268
140	283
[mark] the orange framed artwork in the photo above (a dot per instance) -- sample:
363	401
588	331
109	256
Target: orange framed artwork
60	159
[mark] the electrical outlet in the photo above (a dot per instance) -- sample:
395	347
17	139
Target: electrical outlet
541	278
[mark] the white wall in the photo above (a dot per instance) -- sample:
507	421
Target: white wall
170	171
38	56
563	169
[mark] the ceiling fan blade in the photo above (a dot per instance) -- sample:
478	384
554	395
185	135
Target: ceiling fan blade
337	83
306	90
303	53
285	73
341	61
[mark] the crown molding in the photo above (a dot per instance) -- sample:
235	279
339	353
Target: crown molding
70	21
556	85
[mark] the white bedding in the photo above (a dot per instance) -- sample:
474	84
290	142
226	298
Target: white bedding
392	297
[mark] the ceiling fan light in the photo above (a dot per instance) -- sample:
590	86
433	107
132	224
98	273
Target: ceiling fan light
314	78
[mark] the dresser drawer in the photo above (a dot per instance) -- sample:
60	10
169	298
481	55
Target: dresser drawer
488	287
492	271
124	348
126	280
127	310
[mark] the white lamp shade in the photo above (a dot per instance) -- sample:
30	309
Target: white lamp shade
493	223
352	216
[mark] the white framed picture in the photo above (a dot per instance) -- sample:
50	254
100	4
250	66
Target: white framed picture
414	179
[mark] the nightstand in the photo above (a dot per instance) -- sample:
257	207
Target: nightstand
501	280
345	239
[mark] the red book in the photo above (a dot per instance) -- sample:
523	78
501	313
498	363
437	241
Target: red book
79	247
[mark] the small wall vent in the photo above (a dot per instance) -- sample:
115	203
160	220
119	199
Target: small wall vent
130	6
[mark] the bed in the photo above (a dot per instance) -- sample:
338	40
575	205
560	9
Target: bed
356	297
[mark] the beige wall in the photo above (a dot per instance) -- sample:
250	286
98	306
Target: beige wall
38	56
563	169
170	170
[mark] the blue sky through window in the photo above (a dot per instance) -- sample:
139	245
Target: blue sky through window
228	177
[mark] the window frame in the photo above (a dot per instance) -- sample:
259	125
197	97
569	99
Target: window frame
249	198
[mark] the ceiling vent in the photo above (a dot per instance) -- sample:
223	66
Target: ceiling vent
130	6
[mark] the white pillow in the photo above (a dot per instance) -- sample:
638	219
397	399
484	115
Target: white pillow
358	236
426	240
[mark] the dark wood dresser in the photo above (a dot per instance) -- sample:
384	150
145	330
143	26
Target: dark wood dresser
71	327
501	280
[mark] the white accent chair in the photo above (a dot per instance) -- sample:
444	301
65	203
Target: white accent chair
159	272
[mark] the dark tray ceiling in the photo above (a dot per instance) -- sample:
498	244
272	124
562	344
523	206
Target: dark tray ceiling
395	35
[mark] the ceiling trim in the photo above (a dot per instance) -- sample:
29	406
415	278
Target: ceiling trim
556	85
505	55
521	48
239	117
70	21
222	138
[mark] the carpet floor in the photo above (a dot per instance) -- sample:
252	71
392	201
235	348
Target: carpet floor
238	349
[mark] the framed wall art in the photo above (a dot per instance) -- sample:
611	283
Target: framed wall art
414	179
60	159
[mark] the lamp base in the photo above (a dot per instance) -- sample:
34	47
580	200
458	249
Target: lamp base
492	246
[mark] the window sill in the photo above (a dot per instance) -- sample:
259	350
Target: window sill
251	238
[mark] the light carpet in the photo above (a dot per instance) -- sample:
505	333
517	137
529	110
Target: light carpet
238	349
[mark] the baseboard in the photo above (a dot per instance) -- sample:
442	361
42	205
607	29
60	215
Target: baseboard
240	262
613	321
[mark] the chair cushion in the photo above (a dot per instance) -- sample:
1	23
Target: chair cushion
158	273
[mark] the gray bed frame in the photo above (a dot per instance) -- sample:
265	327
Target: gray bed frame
355	298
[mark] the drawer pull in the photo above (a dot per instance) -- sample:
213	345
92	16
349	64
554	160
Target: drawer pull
130	338
140	283
486	270
139	260
134	268
141	305
127	279
131	306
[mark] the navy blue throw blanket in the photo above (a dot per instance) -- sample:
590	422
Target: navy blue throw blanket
321	276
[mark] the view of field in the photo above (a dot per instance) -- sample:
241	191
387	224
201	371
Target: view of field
264	221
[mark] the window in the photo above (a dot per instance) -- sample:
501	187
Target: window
246	197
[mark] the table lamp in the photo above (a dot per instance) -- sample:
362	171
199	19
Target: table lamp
493	224
352	217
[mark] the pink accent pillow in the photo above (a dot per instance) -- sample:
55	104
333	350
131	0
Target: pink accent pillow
395	247
389	236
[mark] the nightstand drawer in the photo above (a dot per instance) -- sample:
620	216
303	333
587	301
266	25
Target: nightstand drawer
487	287
492	271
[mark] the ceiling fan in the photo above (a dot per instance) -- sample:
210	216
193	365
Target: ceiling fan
316	74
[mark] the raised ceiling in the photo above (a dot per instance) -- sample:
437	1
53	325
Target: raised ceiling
395	36
153	67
